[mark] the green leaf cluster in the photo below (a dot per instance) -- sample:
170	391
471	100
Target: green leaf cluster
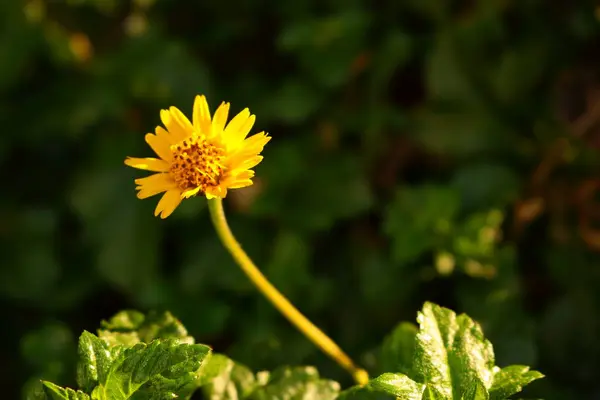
162	369
447	357
136	356
139	356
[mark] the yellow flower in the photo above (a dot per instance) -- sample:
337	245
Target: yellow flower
205	157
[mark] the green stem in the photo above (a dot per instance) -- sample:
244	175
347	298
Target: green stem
278	300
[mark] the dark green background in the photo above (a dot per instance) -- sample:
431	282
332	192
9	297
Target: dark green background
422	150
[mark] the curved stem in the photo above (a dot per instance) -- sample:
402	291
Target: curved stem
313	333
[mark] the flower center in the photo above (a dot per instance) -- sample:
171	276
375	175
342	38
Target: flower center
196	163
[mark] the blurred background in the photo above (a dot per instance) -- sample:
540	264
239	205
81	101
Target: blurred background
422	150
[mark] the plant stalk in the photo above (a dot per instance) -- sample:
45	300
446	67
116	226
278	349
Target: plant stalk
278	300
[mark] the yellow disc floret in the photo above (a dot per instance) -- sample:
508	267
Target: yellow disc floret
197	164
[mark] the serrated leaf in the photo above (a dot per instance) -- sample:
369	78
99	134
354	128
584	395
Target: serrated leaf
226	379
431	393
475	391
452	360
364	393
157	370
130	327
398	349
126	320
56	392
511	380
296	383
34	389
451	352
386	386
94	361
398	385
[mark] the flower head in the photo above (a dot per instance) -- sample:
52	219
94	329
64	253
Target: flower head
203	157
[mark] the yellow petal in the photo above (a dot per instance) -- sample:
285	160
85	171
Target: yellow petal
160	145
144	193
244	175
237	129
250	147
242	158
175	129
148	164
220	119
165	135
168	203
232	181
201	115
255	143
183	121
245	129
240	184
160	180
190	193
248	163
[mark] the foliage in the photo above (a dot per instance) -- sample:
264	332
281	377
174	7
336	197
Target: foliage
451	360
446	358
423	150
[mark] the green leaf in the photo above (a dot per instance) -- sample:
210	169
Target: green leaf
398	349
122	328
431	393
161	369
519	70
226	379
130	327
486	185
398	385
510	380
446	76
326	46
459	132
94	361
475	244
295	384
455	361
386	386
294	101
34	389
478	235
418	217
476	391
128	256
55	392
451	352
366	392
342	185
126	320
